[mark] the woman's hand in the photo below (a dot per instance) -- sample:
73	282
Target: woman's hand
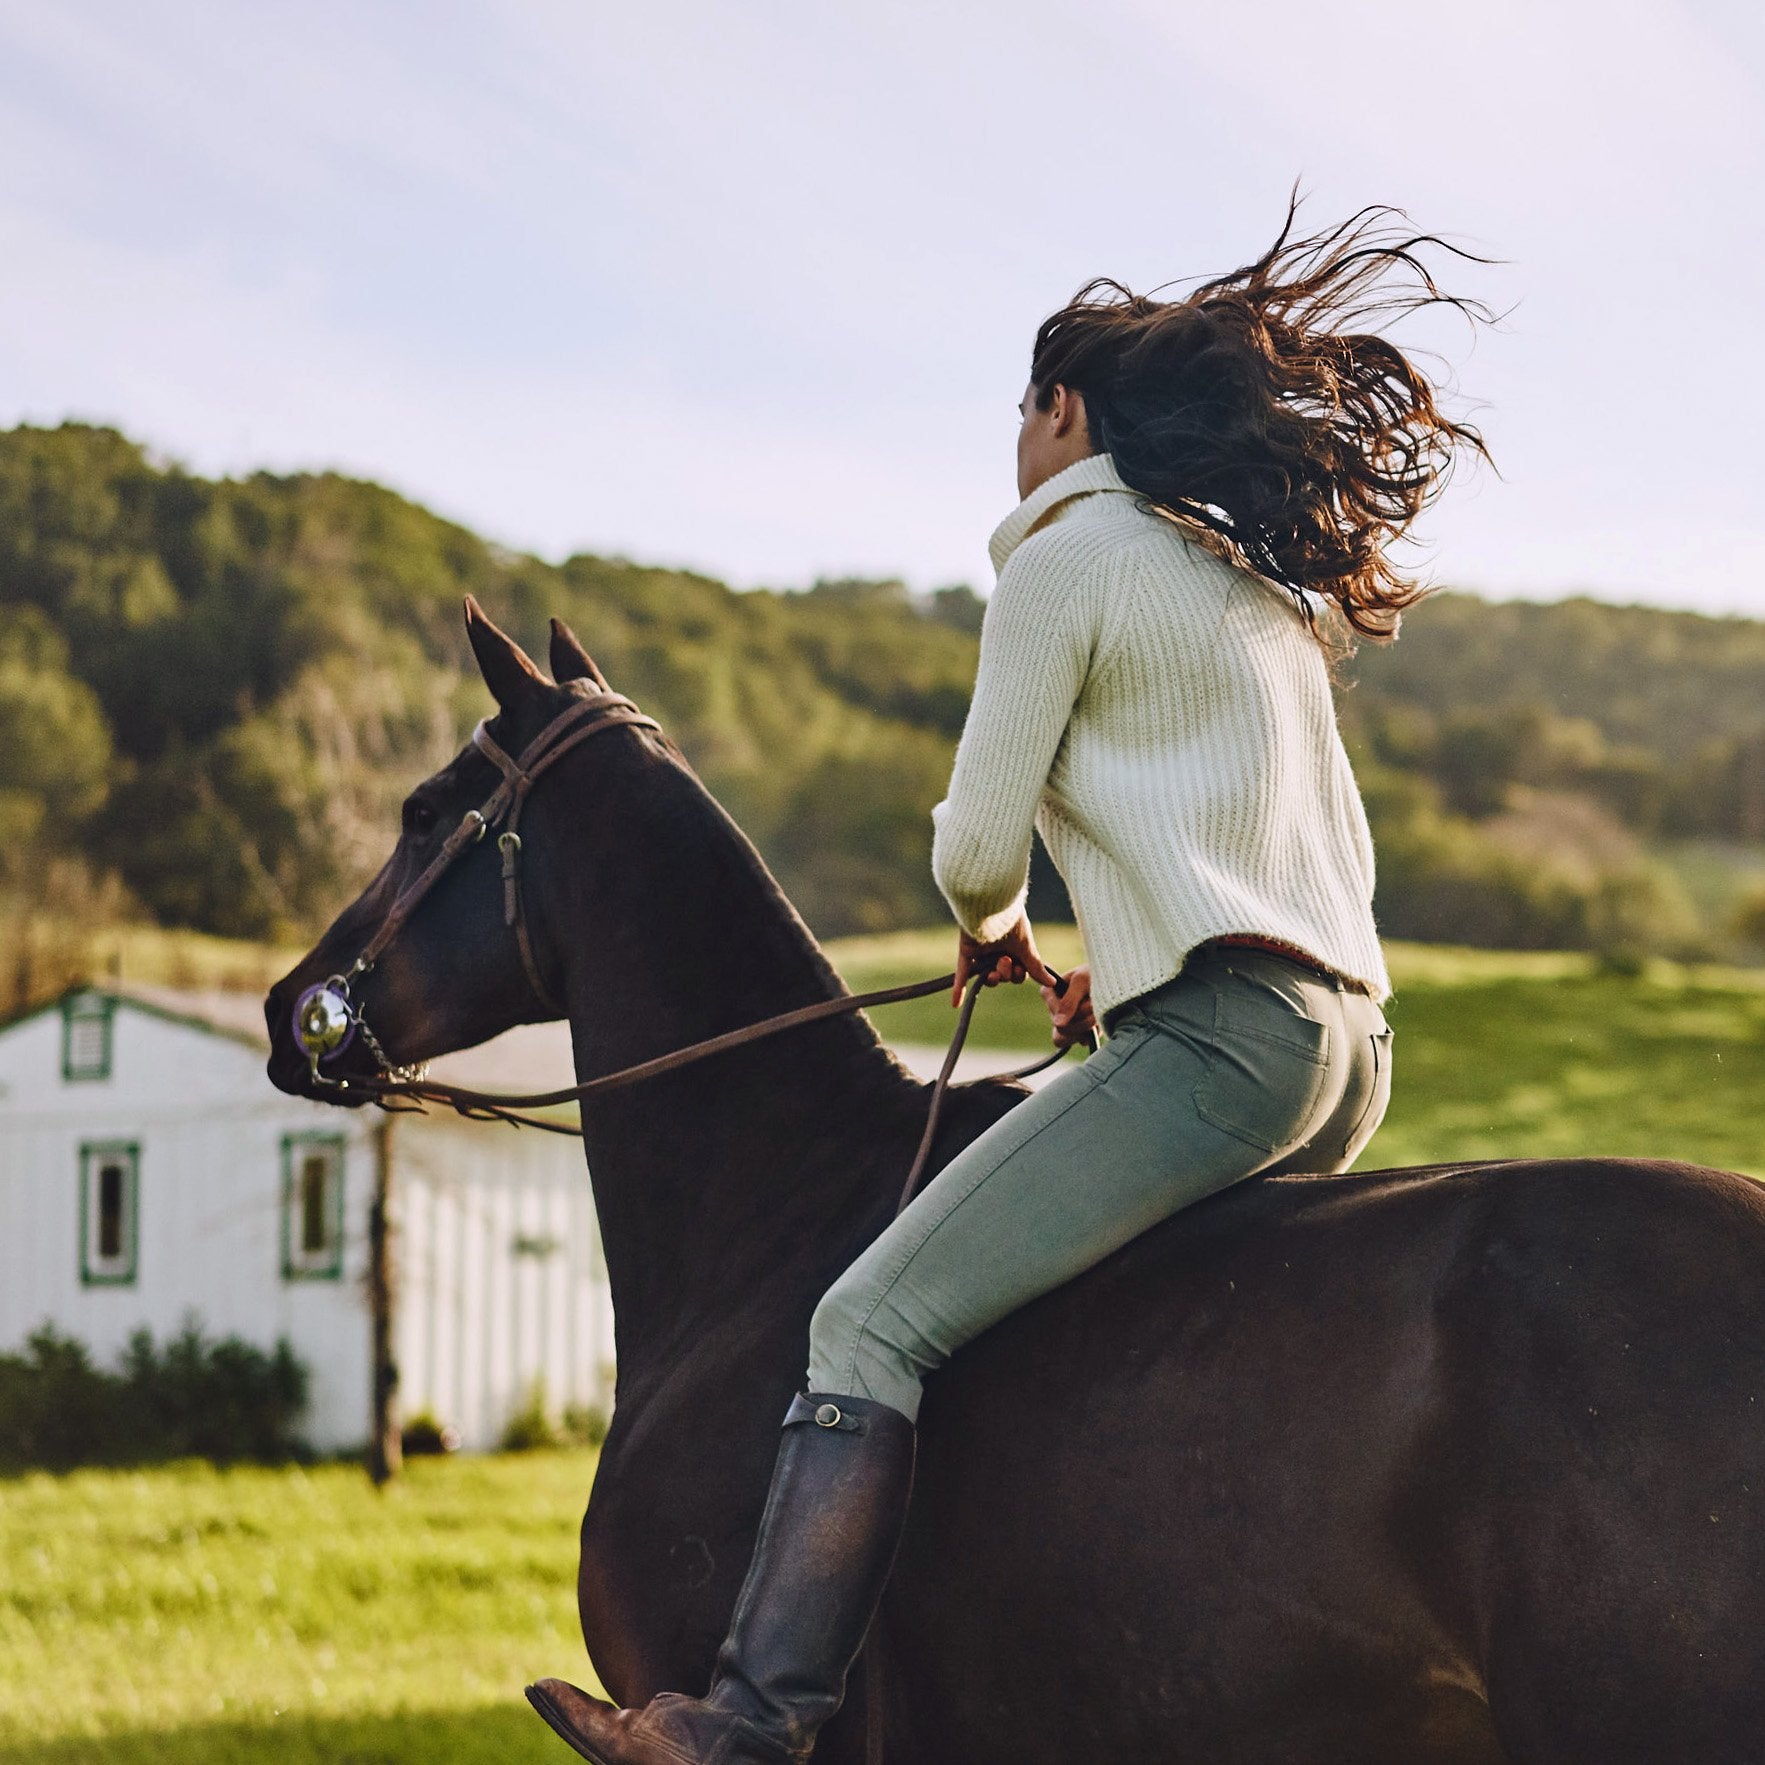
1070	1008
1011	958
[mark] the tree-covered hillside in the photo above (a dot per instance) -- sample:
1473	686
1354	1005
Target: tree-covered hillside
1522	763
220	690
213	694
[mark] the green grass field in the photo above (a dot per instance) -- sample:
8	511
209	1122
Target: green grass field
196	1617
1497	1054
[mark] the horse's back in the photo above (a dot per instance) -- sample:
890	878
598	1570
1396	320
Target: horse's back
1459	1462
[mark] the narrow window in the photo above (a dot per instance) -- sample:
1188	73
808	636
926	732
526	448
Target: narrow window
312	1207
315	1170
111	1176
109	1202
86	1034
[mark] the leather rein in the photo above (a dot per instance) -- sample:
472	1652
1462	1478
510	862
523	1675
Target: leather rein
327	1017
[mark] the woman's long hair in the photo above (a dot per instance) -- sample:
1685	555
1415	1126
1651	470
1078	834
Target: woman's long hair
1266	406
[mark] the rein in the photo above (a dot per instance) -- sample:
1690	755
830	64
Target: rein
327	1017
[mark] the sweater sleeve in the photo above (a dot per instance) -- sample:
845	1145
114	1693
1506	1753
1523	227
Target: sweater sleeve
1037	640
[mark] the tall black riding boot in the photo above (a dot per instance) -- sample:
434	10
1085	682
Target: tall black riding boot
827	1540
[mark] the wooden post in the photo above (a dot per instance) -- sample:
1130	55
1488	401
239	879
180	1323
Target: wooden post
385	1451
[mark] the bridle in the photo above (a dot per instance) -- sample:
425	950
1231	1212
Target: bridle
328	1016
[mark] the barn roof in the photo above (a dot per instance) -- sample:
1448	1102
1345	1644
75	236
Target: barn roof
528	1058
161	1002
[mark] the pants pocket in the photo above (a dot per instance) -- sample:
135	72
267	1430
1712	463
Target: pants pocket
1265	1074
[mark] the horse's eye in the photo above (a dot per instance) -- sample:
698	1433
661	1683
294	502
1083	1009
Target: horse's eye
419	817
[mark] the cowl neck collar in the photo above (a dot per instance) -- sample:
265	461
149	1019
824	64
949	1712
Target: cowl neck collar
1093	473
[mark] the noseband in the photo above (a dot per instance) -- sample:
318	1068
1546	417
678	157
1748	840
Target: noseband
327	1017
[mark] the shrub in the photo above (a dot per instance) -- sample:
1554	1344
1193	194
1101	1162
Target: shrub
56	1409
1749	919
584	1424
530	1426
533	1426
1552	873
193	1398
425	1435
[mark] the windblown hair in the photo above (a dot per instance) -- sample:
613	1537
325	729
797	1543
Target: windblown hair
1267	407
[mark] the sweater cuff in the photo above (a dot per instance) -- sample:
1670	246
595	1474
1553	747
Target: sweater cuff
972	887
995	925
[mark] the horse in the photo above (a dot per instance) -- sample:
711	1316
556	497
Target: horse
1447	1465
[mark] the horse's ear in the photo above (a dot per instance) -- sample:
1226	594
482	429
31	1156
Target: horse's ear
503	663
570	661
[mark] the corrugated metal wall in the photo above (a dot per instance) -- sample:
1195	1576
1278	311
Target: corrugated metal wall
501	1275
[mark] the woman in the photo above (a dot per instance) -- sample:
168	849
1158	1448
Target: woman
1201	478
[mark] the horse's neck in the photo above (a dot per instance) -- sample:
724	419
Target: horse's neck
729	1192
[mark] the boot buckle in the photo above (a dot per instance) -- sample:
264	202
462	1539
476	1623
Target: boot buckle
824	1414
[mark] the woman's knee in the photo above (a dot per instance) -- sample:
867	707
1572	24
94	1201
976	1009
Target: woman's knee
857	1345
838	1320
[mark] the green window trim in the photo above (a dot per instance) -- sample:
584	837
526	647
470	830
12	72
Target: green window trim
121	1267
86	1012
304	1209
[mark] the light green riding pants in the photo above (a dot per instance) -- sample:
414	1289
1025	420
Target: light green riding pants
1244	1063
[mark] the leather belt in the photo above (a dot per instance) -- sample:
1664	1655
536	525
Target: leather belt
1291	953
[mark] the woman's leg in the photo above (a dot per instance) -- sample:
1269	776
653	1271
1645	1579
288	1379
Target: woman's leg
827	1540
1223	1072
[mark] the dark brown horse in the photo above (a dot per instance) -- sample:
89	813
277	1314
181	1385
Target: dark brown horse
1455	1464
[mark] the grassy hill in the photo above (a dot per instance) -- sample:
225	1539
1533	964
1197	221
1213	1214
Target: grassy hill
213	694
218	691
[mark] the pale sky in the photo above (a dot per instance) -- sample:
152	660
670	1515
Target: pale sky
751	287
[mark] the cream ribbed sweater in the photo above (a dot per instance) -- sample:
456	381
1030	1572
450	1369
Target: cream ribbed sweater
1165	720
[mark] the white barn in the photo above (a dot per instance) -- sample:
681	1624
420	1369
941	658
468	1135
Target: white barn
149	1171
